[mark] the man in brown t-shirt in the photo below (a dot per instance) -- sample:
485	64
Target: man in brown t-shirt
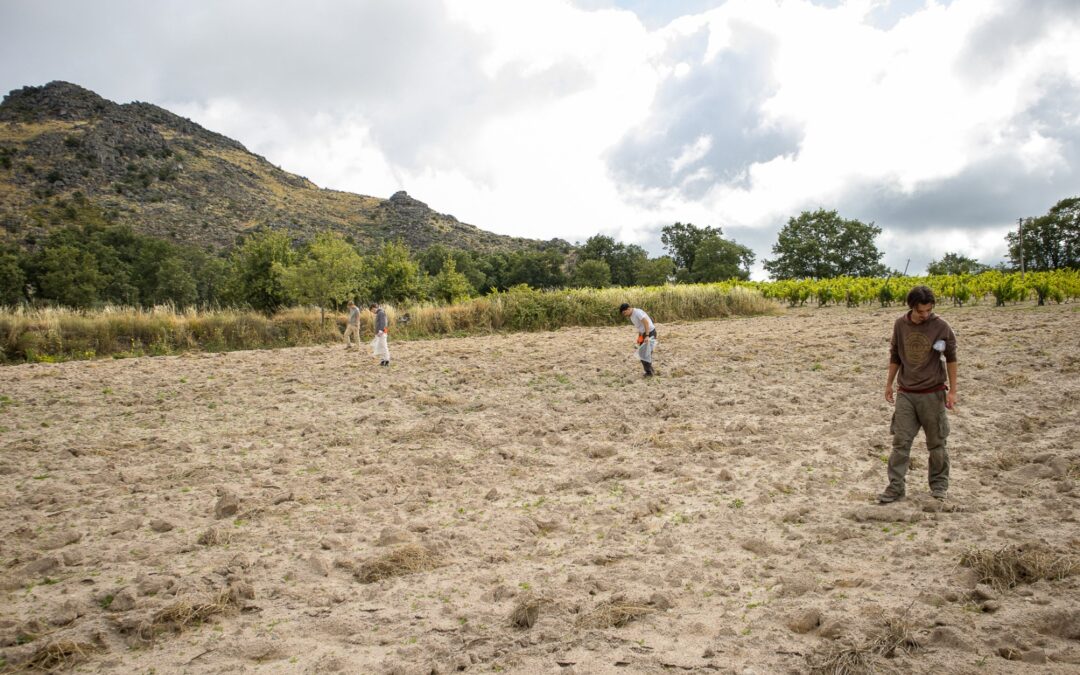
921	340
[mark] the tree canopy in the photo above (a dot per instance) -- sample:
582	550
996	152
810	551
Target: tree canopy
1051	241
822	245
954	263
701	254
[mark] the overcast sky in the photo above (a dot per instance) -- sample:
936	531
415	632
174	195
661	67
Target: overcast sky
941	122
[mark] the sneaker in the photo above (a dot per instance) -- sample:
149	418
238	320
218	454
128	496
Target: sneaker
888	497
385	363
939	495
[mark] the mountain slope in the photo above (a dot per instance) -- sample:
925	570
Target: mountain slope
166	176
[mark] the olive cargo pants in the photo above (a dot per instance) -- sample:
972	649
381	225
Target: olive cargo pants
914	412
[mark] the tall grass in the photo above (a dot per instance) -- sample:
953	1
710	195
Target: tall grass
59	334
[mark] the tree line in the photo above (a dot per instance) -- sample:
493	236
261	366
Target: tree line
91	261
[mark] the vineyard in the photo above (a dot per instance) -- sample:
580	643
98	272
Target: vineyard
1057	286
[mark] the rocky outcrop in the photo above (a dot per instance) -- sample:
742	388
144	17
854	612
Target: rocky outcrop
141	165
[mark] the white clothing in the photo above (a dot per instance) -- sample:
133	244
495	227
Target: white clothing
379	347
641	321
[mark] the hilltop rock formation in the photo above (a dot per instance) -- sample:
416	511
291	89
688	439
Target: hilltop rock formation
141	165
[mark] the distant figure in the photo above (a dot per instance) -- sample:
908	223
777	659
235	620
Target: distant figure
921	340
646	338
352	328
378	345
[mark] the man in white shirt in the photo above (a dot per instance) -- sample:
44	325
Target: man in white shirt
646	338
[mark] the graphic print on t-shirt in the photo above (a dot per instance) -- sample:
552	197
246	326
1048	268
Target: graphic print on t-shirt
916	349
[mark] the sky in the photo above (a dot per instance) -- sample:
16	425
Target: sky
941	122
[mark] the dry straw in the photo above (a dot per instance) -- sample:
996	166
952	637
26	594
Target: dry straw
57	655
1012	565
613	613
851	657
408	559
182	614
527	611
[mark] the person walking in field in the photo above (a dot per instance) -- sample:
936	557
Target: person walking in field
352	327
646	338
378	345
922	353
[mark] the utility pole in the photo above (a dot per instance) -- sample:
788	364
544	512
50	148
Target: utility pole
905	266
1020	222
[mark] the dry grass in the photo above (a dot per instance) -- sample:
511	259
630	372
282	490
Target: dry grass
1005	460
898	634
182	614
57	655
215	536
613	613
526	611
849	657
845	658
1013	565
408	559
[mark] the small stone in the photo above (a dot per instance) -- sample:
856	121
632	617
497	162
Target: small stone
725	475
1009	653
61	539
123	601
661	601
949	638
804	621
983	592
330	543
391	536
42	566
319	565
991	606
1034	656
228	504
832	629
492	495
159	525
65	614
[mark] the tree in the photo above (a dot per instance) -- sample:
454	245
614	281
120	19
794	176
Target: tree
717	259
449	285
393	275
591	274
655	271
954	263
330	272
173	283
682	241
623	260
12	278
69	276
256	268
538	269
822	245
1052	241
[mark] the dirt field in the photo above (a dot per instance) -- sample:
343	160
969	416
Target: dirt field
240	512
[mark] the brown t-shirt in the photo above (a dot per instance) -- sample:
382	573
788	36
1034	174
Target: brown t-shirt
912	347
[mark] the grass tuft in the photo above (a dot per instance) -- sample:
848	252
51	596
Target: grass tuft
1013	565
58	655
408	559
182	614
613	613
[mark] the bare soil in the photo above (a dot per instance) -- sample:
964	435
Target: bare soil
530	503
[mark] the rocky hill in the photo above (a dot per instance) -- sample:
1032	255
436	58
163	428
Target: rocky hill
166	176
